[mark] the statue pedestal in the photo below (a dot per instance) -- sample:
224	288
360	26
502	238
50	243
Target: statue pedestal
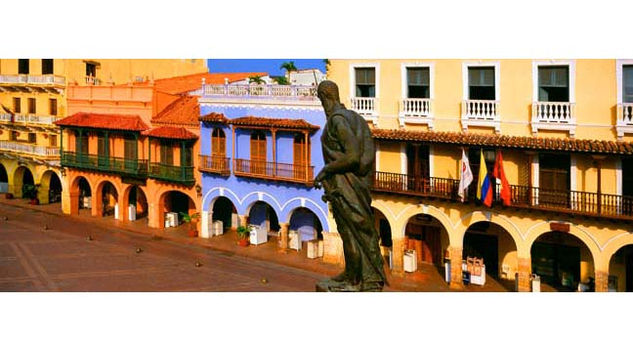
329	285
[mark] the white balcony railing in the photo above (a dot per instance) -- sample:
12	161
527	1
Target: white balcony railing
364	106
93	81
29	149
29	119
33	79
483	113
624	123
415	107
256	90
554	116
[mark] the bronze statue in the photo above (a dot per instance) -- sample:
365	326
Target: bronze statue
349	156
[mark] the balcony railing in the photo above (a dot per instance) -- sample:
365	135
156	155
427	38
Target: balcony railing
553	112
260	90
33	79
484	110
215	164
570	202
172	173
92	81
48	152
625	114
29	119
415	107
274	171
364	106
132	167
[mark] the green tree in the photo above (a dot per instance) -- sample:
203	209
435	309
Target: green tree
256	80
289	66
282	80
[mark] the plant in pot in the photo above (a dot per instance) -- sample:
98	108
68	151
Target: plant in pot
191	223
29	191
243	235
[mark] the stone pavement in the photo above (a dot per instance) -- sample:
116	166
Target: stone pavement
60	258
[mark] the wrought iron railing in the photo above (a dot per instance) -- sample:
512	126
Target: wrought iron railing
172	173
274	171
215	163
133	167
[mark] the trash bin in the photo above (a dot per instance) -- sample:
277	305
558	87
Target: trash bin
447	270
410	261
536	283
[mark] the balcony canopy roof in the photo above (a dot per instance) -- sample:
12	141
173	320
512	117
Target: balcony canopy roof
269	122
214	117
504	141
169	132
104	121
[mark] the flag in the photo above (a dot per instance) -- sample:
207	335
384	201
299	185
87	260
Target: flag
465	176
484	188
500	174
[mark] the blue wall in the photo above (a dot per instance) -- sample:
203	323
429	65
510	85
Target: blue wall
283	197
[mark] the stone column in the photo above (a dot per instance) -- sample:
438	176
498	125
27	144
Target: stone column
333	248
283	235
70	202
397	259
42	194
602	281
455	254
96	206
204	223
243	220
524	272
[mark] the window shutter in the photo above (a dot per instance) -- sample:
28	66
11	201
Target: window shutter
553	76
366	76
418	76
481	76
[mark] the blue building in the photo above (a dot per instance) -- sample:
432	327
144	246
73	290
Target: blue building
260	150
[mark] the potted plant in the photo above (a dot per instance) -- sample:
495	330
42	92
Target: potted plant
29	191
191	221
243	235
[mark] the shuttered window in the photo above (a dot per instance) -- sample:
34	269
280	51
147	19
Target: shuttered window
258	146
554	182
17	105
32	108
365	82
187	154
627	84
418	82
553	83
81	143
299	150
481	83
166	153
52	107
101	144
218	143
130	147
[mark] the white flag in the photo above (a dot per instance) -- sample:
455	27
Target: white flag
465	176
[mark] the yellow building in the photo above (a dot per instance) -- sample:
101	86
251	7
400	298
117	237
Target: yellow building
33	95
565	132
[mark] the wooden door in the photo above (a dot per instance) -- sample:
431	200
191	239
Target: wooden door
258	152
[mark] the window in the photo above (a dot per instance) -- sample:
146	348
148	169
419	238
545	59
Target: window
23	66
91	69
102	149
627	84
554	179
32	106
81	143
418	160
481	83
218	143
553	83
17	105
258	152
52	106
52	140
166	153
299	150
418	82
187	154
14	135
47	66
130	148
365	82
32	137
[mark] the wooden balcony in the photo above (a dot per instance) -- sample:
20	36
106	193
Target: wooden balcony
215	164
526	197
124	166
274	171
172	173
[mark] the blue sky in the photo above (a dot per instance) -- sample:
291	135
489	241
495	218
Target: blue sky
261	65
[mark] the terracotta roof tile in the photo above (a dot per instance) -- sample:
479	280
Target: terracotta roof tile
170	132
519	142
299	124
214	117
104	121
183	111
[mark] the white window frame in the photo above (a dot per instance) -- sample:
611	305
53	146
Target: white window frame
620	127
428	120
571	64
465	96
352	87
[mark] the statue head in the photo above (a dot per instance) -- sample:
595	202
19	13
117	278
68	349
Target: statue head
328	94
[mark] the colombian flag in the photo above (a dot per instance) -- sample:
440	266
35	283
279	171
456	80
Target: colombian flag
484	188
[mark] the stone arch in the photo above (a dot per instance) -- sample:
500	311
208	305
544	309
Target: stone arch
506	224
497	247
253	197
21	173
616	243
273	223
213	194
76	194
296	203
103	208
141	206
427	235
585	237
430	210
298	220
192	206
51	187
4	179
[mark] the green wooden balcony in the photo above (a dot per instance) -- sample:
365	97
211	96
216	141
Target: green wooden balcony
124	166
171	173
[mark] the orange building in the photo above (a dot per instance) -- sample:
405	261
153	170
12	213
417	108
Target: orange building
128	150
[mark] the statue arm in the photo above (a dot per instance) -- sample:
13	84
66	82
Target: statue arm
349	159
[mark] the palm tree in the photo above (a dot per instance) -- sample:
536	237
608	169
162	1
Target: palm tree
256	80
327	65
282	80
289	66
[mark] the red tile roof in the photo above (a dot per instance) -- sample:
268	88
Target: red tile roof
170	132
104	121
517	142
299	124
214	117
183	111
183	84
